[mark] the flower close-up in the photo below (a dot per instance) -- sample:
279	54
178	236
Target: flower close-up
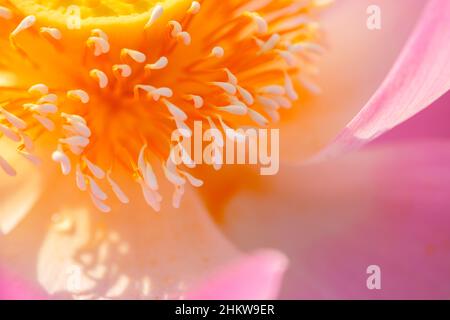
234	149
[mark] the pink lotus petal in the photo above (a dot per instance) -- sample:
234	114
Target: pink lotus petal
431	123
420	76
385	206
142	255
356	62
14	288
257	276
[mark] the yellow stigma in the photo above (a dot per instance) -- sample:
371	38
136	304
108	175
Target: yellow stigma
101	85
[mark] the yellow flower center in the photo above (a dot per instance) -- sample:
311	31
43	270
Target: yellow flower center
103	84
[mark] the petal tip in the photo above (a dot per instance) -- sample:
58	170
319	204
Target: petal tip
254	276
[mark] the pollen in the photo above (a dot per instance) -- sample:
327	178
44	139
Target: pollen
101	88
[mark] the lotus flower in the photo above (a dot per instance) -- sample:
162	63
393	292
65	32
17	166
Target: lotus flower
92	102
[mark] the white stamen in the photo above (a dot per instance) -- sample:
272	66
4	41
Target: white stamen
61	157
95	170
78	95
69	130
124	69
76	150
234	109
176	28
177	196
236	101
9	170
41	108
175	111
5	13
99	33
311	46
144	87
150	177
48	98
289	86
27	143
271	43
45	122
192	180
100	205
273	89
172	175
218	52
72	118
13	120
258	118
146	170
100	76
137	56
309	85
117	190
96	190
53	32
261	23
161	92
150	196
225	86
101	45
156	13
142	164
9	133
198	101
185	37
231	77
81	128
183	128
80	180
268	103
195	7
288	57
246	95
273	114
39	89
77	141
26	23
283	102
160	64
31	157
